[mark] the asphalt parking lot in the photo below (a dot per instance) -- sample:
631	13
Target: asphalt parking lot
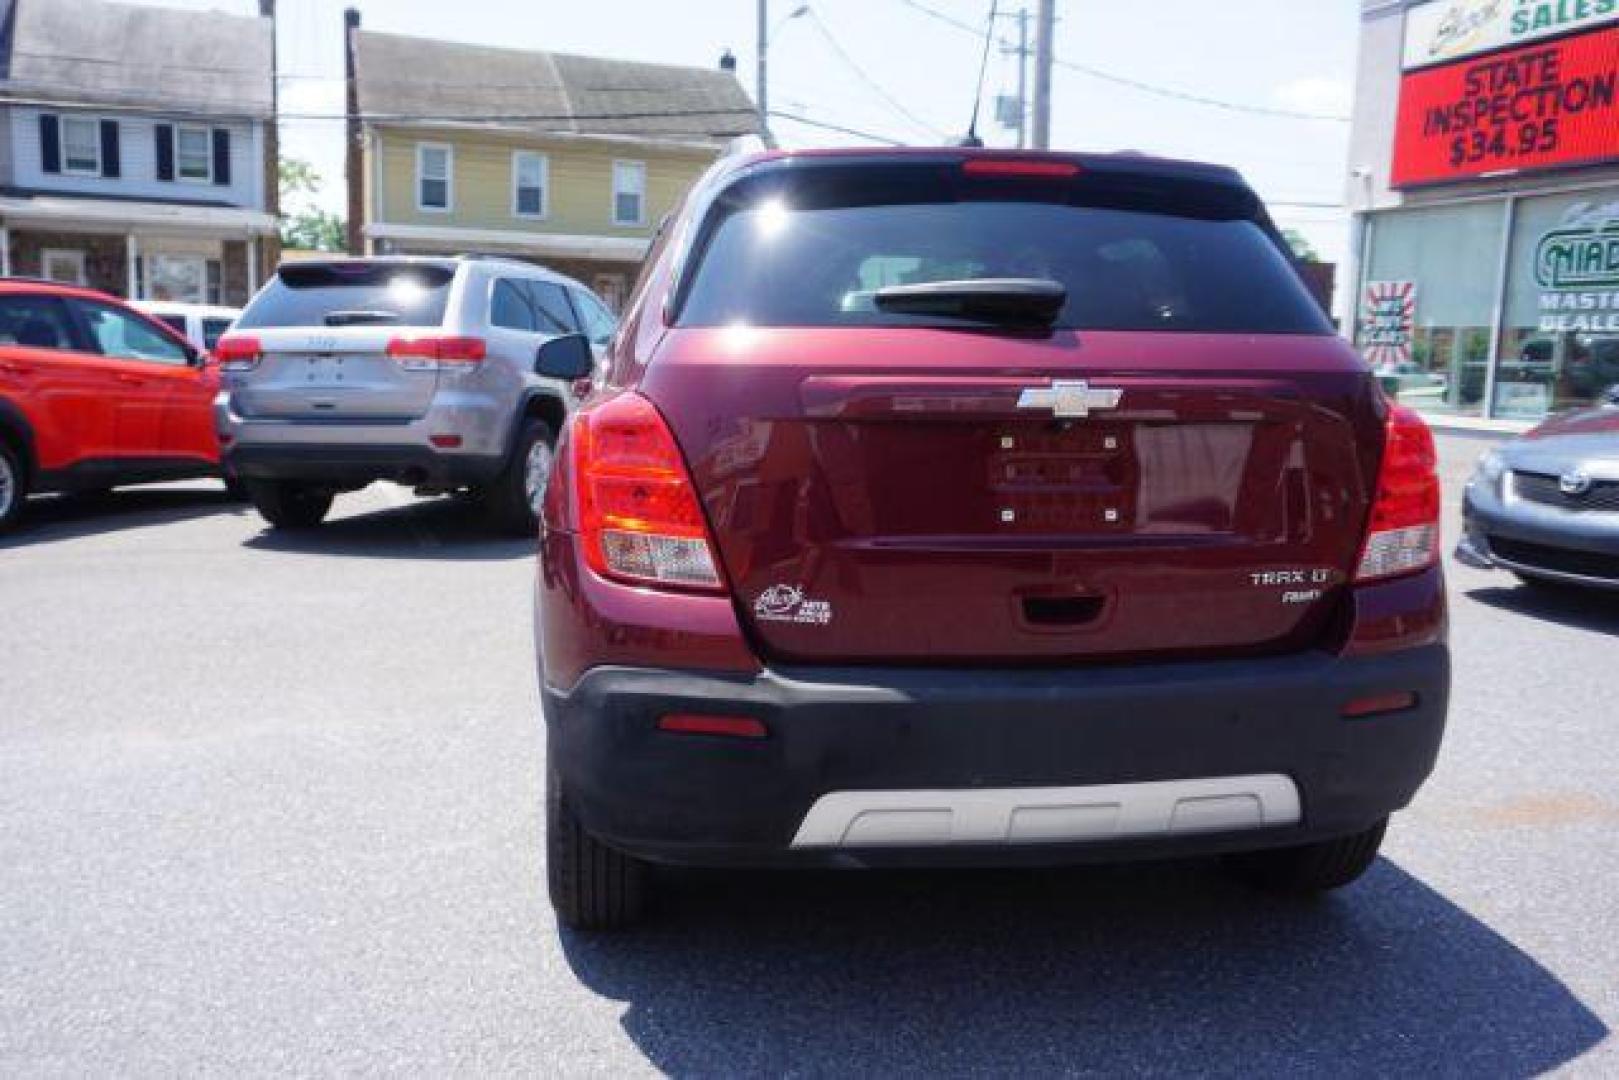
273	805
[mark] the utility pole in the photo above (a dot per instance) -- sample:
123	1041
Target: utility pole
353	157
271	252
1022	78
761	93
1045	24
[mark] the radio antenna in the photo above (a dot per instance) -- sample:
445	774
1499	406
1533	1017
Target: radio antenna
972	138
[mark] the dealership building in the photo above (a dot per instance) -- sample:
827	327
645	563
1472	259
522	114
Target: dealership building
1484	188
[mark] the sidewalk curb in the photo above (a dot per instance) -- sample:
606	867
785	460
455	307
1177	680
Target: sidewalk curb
1472	425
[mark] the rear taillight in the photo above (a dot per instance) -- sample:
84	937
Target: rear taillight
639	518
431	352
238	353
1403	534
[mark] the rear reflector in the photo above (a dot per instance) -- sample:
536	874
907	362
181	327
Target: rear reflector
737	727
238	352
445	442
638	514
1377	704
1051	170
1402	536
429	352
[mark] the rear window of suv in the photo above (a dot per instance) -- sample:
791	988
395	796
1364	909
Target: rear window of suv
338	294
811	248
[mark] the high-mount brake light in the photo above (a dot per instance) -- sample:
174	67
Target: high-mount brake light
1020	167
238	352
639	517
431	351
1402	536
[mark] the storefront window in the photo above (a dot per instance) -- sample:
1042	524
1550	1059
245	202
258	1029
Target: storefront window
1443	262
1560	342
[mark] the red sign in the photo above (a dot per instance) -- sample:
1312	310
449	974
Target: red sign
1535	107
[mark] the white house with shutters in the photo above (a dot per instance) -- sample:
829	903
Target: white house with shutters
132	148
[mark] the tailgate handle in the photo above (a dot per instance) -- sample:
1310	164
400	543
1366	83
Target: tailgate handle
1062	611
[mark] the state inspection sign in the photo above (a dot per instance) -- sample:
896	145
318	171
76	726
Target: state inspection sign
1541	106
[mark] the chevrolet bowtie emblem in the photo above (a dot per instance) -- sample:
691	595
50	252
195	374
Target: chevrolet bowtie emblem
1068	400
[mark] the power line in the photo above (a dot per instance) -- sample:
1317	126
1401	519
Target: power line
849	62
1197	99
828	126
1136	84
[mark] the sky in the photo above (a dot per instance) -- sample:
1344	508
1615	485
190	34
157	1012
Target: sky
900	69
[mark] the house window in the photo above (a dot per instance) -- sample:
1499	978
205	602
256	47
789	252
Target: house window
194	154
64	265
81	146
629	193
530	173
185	279
434	190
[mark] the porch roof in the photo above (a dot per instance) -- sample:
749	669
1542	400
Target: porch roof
556	245
90	214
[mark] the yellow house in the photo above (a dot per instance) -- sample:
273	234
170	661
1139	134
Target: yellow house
568	161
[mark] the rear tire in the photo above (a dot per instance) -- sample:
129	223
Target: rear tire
515	496
593	886
286	504
13	487
1311	868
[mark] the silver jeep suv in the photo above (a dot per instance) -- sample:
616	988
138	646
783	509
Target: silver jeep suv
445	374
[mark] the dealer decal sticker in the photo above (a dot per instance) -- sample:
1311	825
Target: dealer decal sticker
787	603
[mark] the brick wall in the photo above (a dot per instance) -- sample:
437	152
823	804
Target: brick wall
105	265
233	273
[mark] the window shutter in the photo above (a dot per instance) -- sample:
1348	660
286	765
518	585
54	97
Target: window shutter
50	144
221	156
165	151
109	149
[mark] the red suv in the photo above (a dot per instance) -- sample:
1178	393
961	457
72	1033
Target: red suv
94	394
979	508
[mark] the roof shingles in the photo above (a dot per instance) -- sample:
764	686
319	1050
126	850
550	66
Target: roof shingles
103	53
413	79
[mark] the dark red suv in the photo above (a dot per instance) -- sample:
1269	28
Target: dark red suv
94	394
975	508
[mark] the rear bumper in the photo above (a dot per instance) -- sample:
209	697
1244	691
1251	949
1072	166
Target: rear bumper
971	745
355	452
357	465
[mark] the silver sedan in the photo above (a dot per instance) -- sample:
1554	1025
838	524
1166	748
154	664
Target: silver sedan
1546	506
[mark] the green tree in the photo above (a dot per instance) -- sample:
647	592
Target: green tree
303	223
1303	250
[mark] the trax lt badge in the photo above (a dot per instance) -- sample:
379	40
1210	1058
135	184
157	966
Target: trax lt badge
1070	399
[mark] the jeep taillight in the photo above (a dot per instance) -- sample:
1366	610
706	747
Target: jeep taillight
1403	534
430	352
639	518
238	352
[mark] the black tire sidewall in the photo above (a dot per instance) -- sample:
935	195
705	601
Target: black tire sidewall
19	487
288	505
510	501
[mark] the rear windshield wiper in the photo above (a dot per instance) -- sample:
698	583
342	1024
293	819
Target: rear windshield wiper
1019	301
360	318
